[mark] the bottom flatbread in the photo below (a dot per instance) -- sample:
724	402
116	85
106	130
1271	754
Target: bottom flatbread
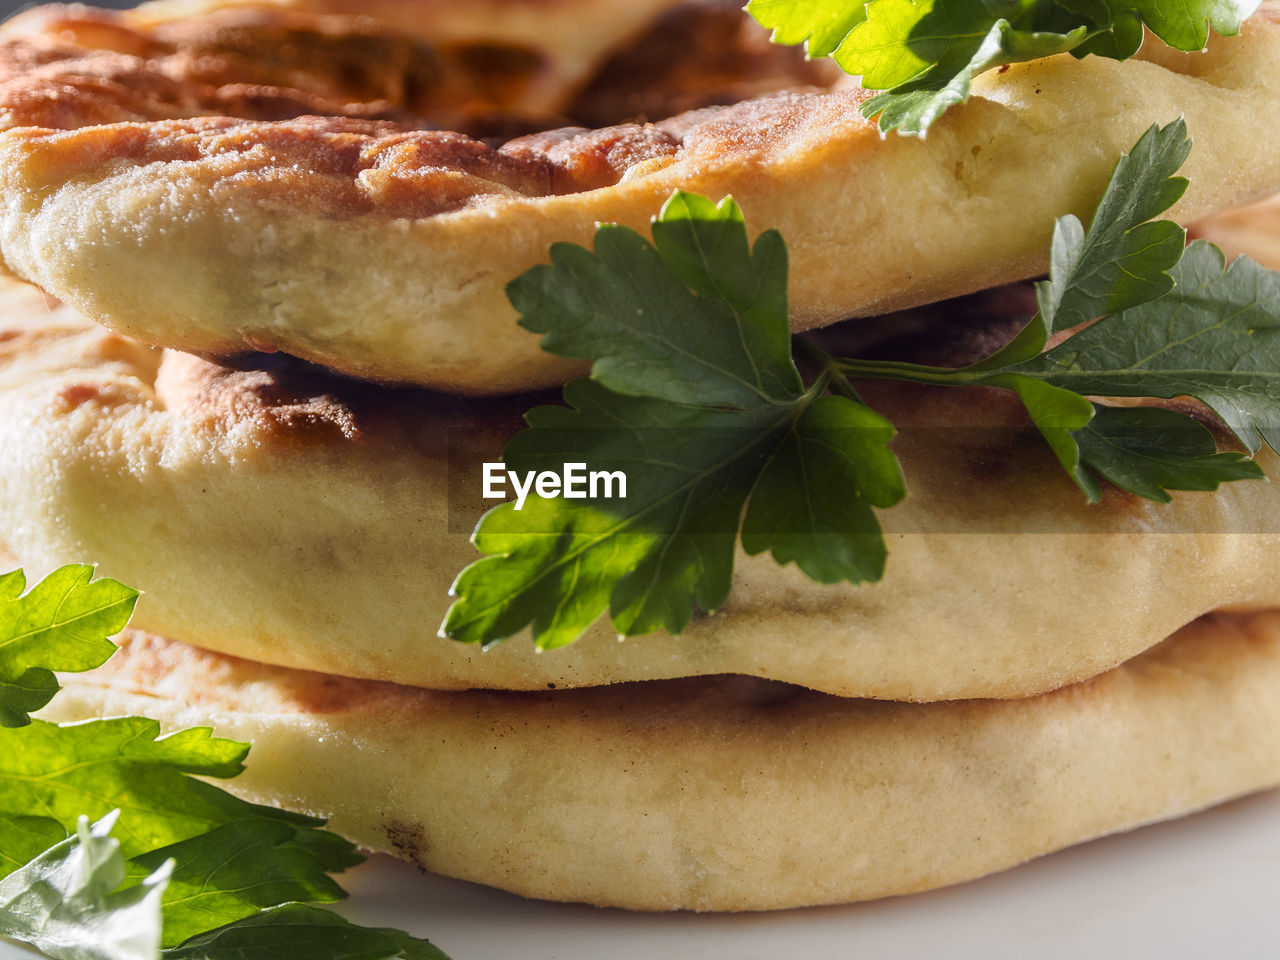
726	793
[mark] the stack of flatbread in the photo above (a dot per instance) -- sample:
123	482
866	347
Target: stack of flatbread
258	348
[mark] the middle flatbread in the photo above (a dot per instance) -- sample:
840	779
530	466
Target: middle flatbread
308	521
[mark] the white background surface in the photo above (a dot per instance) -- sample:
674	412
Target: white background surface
1203	887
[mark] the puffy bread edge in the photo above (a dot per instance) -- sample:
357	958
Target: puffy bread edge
727	793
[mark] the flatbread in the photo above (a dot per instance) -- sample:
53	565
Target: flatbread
290	517
543	53
727	793
1253	230
493	70
382	250
563	41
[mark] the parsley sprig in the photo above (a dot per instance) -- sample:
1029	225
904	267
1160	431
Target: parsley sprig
924	54
695	396
111	849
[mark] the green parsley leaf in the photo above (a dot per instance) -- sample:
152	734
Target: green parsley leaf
199	858
1174	324
1059	414
1145	450
925	53
1150	451
803	493
689	473
697	317
61	624
294	931
1215	337
664	549
232	872
1123	260
692	398
86	769
68	901
25	838
695	398
91	768
821	27
12	584
1181	26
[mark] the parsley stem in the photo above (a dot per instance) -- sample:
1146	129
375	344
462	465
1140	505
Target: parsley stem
813	354
914	372
829	376
838	370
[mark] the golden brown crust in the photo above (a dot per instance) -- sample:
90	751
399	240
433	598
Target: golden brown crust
412	63
85	67
64	69
67	68
279	410
727	793
533	55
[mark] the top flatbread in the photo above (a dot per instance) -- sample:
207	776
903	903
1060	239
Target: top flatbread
552	46
382	250
299	519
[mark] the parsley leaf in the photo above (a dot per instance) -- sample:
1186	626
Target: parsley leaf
61	624
1175	322
233	871
1215	337
295	931
69	903
24	838
667	548
925	53
185	856
85	769
1145	450
835	447
1059	414
821	27
1123	260
1181	26
1150	451
695	398
696	317
65	772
